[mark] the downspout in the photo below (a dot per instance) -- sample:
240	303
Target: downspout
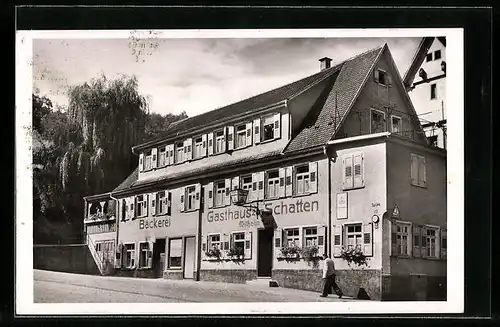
117	219
329	229
198	234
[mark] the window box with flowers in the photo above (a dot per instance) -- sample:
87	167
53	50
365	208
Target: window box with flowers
354	256
310	255
236	254
213	254
290	252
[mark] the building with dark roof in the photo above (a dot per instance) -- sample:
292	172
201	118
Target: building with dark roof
258	190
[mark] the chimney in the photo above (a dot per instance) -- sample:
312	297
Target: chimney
324	63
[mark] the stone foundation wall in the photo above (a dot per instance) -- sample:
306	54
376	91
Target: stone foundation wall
139	273
309	279
72	258
228	276
414	288
173	274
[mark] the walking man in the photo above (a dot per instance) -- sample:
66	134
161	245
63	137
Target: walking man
329	277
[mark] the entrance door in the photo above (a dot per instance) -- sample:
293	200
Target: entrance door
265	253
189	254
159	257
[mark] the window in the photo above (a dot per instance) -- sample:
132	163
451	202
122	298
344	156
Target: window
292	237
198	148
214	241
219	142
143	254
377	121
141	206
430	242
437	54
433	140
190	198
302	179
148	160
433	91
220	193
400	236
428	57
162	203
418	170
162	157
179	152
239	241
273	184
353	171
246	184
175	253
354	236
382	77
268	128
241	136
98	247
395	124
129	255
310	236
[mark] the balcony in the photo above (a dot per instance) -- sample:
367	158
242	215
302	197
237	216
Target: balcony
102	211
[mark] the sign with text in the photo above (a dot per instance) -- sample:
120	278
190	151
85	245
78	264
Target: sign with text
342	205
153	223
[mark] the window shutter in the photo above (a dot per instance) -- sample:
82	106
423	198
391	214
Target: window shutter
230	138
134	210
255	187
347	171
444	241
256	131
224	140
417	240
154	160
210	194
225	242
141	162
313	177
375	75
248	245
146	204
235	182
169	203
197	198
277	125
249	134
210	144
414	169
423	242
227	195
288	181
153	200
278	242
203	247
118	256
438	243
422	175
358	170
189	153
367	239
260	191
337	240
183	195
321	240
204	145
389	80
394	249
150	255
282	175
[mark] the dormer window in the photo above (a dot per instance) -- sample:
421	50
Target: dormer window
198	147
241	136
268	128
219	141
162	156
179	152
148	159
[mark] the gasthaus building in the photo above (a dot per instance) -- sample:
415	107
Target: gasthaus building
259	189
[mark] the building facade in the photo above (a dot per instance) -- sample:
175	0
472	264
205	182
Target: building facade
425	81
335	161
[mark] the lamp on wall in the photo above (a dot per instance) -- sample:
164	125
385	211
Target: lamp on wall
239	198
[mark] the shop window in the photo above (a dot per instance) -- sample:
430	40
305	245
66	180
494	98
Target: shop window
219	141
418	170
377	121
198	148
191	198
241	136
162	157
428	57
292	237
433	91
175	253
143	254
437	54
273	184
148	160
142	205
179	152
214	241
354	236
220	193
238	241
310	236
302	179
396	124
268	128
129	255
400	238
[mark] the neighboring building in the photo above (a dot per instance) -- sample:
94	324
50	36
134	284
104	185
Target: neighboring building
320	158
428	90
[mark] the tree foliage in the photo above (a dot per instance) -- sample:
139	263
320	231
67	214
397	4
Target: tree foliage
86	149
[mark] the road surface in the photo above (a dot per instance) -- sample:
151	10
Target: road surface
57	287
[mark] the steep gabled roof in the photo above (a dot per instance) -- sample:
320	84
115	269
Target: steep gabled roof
319	127
254	103
418	59
128	182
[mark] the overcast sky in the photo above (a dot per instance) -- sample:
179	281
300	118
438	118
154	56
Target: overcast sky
197	75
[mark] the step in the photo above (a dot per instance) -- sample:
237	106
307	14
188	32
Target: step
264	281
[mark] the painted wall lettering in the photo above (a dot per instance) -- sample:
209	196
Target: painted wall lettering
154	223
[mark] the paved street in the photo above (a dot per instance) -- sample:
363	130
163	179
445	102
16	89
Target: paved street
57	287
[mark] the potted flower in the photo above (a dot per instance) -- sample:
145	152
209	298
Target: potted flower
213	253
236	253
290	251
310	254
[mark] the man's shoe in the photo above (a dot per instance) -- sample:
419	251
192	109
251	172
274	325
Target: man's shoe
340	296
323	295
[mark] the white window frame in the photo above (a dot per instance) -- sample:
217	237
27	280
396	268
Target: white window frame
169	266
162	203
132	255
372	110
421	163
219	193
219	141
210	242
276	184
293	239
190	197
435	238
162	157
357	235
238	134
233	240
179	152
197	147
311	236
263	128
246	186
400	124
142	205
148	160
304	177
141	251
409	238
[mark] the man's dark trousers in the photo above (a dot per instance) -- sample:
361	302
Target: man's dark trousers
328	283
